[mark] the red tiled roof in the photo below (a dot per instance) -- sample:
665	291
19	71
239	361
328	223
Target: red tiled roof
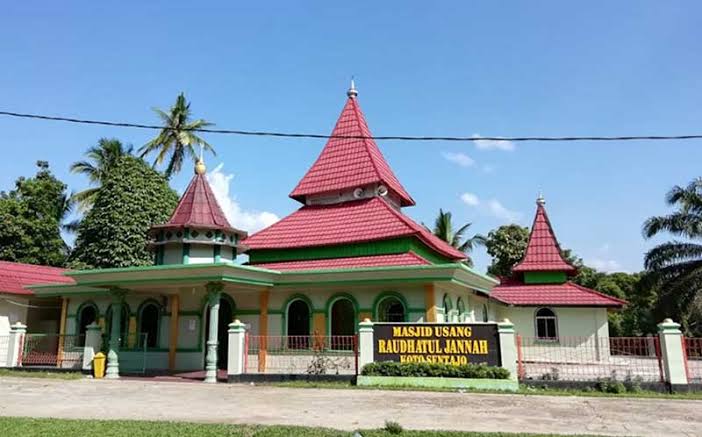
198	207
349	162
15	276
543	252
513	292
401	259
363	220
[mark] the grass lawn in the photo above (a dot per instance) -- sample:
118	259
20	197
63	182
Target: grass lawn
26	427
40	374
522	390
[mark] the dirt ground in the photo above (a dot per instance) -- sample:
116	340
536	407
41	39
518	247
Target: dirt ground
346	409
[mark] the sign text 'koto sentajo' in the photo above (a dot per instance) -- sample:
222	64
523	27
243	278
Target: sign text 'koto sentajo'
457	344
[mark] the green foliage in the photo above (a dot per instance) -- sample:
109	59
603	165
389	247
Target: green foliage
392	427
506	246
610	386
178	138
391	368
444	229
100	161
32	215
675	267
132	198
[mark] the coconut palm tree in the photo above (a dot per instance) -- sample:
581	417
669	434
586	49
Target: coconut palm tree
177	138
444	229
676	266
100	160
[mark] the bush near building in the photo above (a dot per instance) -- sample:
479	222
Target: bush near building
439	370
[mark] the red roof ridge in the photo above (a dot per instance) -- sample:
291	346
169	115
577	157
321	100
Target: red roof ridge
513	292
543	252
367	261
15	277
599	293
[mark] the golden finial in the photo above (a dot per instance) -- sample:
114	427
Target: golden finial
200	167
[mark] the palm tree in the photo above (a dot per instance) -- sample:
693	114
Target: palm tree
101	159
177	138
676	266
443	228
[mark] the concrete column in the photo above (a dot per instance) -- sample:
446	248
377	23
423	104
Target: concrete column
214	294
173	331
365	343
508	348
672	352
17	334
112	371
93	342
237	348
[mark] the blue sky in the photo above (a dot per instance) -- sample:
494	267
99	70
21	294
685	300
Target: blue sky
440	68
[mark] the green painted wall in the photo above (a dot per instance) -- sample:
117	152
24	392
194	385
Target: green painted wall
386	247
544	277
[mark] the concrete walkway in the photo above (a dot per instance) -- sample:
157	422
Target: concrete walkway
346	409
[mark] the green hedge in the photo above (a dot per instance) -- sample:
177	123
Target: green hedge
475	371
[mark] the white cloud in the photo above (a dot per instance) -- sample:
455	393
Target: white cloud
492	207
246	220
604	265
459	158
470	199
502	213
493	144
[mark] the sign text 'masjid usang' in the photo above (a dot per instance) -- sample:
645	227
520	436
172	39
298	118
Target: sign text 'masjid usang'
437	343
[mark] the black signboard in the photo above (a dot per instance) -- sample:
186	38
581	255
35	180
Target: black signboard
449	343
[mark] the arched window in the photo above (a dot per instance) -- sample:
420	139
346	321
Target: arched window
342	323
391	309
447	308
149	319
546	324
462	316
87	314
123	325
486	315
298	324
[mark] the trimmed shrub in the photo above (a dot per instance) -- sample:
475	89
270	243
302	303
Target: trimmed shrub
474	371
393	427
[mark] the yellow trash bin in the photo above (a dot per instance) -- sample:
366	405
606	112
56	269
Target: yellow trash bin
99	365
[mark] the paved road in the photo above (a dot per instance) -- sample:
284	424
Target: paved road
346	409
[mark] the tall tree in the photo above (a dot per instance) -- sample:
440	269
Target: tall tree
177	138
506	246
677	265
444	229
114	232
32	216
100	160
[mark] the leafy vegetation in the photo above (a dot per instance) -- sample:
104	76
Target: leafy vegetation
132	198
32	217
391	368
506	246
444	229
177	138
101	159
35	374
676	266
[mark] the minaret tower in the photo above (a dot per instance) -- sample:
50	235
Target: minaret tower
197	232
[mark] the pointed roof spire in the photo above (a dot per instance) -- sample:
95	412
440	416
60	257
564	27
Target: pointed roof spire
352	92
543	253
349	163
198	207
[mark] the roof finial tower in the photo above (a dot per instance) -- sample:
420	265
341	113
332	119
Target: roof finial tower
200	167
540	200
352	92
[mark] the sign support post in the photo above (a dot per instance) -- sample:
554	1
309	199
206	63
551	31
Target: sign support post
508	348
365	343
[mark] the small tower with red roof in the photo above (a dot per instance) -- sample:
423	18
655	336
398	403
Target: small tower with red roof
198	231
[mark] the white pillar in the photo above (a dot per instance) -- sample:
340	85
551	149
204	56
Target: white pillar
17	333
365	343
214	294
93	344
508	348
672	352
237	345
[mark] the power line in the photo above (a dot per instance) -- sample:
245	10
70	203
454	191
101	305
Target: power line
381	137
